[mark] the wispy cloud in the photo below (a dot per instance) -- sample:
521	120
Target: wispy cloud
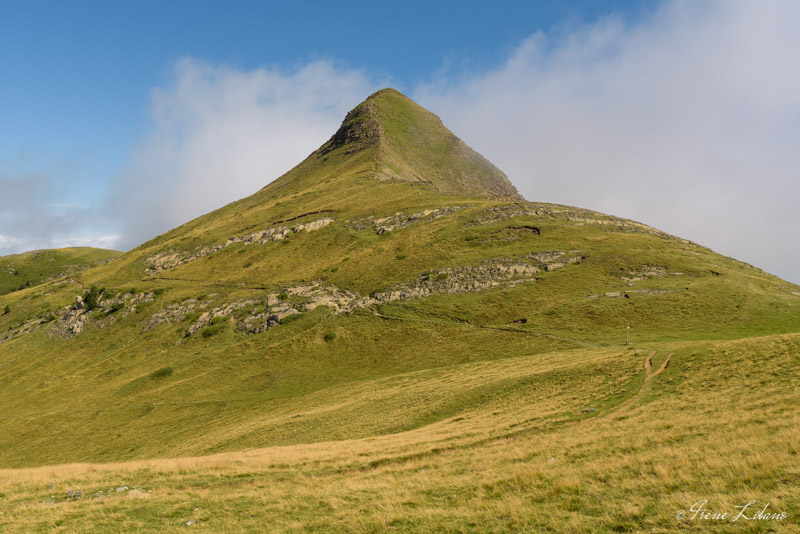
110	241
688	120
28	220
220	134
7	241
68	205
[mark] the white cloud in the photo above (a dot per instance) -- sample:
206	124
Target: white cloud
688	120
110	241
220	134
28	220
7	242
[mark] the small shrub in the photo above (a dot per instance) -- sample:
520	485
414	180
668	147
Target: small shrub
158	292
192	317
401	256
248	264
91	297
216	320
330	336
7	310
283	296
442	276
290	318
334	269
117	306
161	373
212	330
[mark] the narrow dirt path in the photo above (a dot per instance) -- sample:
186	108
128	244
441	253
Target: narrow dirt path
648	367
663	366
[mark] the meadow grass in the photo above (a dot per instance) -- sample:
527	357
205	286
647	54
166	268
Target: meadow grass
718	424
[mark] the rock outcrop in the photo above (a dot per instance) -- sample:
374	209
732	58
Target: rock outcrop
71	320
576	215
172	313
170	259
502	213
400	220
24	328
646	272
224	311
254	316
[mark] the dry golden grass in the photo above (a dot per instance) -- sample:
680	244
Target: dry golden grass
719	424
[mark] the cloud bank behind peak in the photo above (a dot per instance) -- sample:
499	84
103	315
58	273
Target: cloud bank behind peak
219	134
688	120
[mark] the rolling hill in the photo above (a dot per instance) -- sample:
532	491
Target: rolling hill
20	271
388	308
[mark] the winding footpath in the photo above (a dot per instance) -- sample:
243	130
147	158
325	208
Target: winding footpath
650	374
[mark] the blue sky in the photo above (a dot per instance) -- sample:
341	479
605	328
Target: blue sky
77	75
122	120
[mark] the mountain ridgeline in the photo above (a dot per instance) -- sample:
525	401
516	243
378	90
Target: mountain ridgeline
392	251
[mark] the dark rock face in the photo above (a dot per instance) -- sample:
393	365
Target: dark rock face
359	130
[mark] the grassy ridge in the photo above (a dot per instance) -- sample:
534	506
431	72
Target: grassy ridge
20	271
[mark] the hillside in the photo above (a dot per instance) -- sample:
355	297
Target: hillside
539	447
393	293
19	271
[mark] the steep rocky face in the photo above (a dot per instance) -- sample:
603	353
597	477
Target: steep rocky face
359	130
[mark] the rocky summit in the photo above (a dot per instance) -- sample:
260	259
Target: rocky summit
394	310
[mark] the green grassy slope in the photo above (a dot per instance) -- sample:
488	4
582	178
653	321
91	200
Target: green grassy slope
19	271
408	209
583	440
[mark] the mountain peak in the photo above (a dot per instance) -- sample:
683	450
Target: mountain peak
411	144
